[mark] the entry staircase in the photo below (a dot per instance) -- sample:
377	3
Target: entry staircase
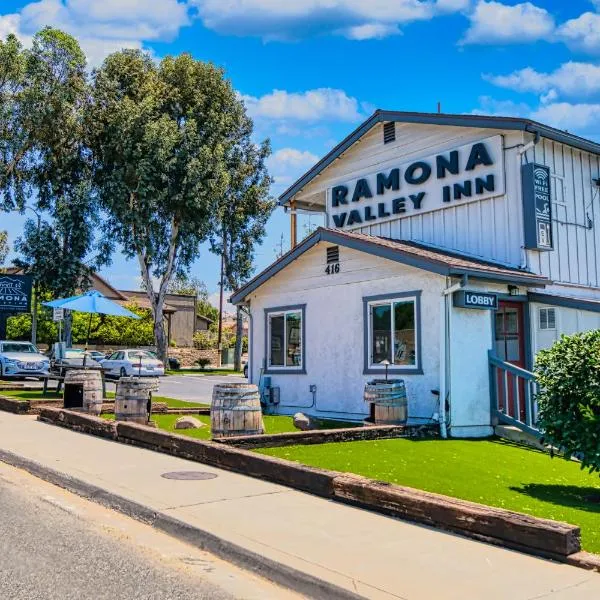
513	392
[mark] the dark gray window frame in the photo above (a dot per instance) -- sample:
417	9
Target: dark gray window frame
285	370
367	368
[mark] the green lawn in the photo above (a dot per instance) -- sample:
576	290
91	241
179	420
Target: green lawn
273	424
37	395
491	472
203	372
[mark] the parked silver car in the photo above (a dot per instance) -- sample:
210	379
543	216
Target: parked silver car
125	363
22	359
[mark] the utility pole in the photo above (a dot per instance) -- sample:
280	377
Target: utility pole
279	248
220	331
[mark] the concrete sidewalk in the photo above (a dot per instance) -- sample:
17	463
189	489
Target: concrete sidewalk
365	553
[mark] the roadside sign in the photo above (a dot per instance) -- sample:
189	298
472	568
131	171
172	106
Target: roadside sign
58	314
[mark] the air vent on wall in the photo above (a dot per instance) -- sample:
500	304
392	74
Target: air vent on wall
389	132
333	254
547	318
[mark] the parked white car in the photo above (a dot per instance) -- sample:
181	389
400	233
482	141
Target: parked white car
22	359
125	363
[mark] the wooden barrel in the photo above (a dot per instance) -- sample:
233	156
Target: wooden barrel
236	410
389	402
133	397
83	390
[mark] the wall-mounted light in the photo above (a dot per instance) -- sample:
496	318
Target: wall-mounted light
513	290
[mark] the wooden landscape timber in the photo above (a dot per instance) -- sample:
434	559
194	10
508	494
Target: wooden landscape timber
541	537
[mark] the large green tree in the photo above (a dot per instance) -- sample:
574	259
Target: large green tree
241	217
161	135
46	163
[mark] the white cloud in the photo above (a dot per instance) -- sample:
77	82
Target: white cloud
573	79
370	31
287	164
285	19
494	22
313	105
582	33
101	26
501	108
581	118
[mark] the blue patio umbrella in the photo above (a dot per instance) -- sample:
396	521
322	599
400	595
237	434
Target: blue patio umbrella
92	302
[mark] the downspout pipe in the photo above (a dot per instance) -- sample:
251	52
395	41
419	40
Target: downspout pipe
445	352
245	308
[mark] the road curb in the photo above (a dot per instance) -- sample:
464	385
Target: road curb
303	583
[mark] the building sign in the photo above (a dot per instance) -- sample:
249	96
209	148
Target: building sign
482	300
465	174
58	314
15	293
537	206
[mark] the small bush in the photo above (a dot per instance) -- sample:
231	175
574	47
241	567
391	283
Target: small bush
569	398
203	362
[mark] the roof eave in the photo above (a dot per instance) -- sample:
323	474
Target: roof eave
488	122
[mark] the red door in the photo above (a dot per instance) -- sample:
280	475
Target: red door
510	347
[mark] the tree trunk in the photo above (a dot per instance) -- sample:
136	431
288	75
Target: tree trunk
239	330
160	336
157	300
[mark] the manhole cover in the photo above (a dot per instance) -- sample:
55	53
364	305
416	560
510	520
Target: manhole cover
189	475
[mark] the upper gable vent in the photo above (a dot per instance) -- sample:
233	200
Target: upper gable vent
389	132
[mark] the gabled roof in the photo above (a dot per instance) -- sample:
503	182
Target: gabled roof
481	121
421	256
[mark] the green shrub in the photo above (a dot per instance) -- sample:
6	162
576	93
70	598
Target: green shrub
203	363
569	398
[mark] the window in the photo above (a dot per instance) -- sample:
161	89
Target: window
392	333
547	318
285	339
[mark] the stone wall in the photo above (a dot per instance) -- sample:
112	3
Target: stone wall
189	356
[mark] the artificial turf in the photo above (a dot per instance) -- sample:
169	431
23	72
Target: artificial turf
37	395
491	472
273	424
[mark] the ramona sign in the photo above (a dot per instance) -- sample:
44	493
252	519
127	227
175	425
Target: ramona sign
465	174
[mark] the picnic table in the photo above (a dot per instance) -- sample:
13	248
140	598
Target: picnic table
58	371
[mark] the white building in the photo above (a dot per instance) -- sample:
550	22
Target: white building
455	247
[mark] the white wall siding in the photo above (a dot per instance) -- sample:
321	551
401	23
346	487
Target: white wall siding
575	198
334	330
568	321
490	228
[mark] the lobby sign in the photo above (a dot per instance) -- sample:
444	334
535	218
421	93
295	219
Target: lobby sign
465	174
15	293
537	207
480	300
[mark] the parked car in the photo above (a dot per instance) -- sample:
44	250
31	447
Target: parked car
22	359
97	355
124	363
72	356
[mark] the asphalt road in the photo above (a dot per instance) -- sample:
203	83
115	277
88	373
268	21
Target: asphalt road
184	387
57	546
190	387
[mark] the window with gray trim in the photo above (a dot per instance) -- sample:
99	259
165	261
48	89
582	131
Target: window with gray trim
284	339
392	333
547	318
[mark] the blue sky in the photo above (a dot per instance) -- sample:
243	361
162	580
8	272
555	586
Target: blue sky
310	70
